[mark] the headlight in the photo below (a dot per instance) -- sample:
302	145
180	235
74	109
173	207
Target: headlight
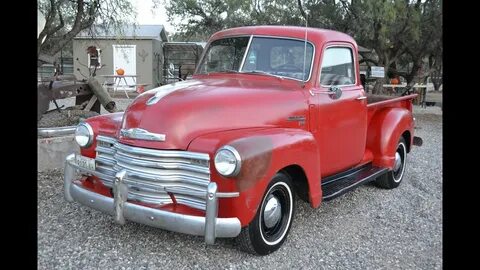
84	135
227	161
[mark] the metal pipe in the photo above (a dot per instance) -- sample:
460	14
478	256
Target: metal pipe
56	131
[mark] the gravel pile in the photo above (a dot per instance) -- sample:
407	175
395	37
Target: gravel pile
369	228
71	117
121	104
64	118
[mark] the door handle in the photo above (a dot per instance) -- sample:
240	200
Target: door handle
318	92
361	98
334	92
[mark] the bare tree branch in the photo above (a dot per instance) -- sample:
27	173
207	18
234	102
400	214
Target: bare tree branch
304	15
67	18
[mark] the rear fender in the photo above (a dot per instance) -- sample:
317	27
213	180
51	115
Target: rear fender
384	131
263	152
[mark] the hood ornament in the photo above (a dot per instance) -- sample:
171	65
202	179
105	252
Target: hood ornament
142	134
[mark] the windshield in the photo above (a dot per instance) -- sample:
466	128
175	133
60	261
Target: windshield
266	56
224	55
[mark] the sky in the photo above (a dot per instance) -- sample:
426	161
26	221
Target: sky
147	15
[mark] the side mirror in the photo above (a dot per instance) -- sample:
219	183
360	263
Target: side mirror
335	92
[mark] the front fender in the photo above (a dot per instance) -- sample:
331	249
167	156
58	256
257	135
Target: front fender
384	131
263	152
105	124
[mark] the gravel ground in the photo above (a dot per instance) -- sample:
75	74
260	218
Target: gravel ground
369	228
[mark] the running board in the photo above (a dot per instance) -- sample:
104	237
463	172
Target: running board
338	184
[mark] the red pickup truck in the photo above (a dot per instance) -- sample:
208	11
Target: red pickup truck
272	113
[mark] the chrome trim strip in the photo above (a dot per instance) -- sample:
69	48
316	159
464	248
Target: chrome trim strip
161	153
106	139
147	178
106	150
228	194
56	131
121	158
142	134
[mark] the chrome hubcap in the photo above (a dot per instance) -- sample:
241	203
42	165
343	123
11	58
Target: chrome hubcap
398	162
272	212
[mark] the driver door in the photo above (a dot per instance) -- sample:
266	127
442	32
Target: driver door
341	116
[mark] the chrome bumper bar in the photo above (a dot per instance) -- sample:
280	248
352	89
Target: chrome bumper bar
209	226
56	131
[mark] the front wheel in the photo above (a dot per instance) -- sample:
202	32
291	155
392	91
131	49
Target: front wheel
270	226
393	178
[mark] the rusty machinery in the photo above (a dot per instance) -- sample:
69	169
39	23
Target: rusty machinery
89	94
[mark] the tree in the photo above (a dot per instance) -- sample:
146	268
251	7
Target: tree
201	18
66	18
424	50
401	32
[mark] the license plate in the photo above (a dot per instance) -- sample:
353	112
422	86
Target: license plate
85	162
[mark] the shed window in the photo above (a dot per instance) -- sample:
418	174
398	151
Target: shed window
94	57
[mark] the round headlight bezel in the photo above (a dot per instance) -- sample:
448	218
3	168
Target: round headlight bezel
238	160
89	130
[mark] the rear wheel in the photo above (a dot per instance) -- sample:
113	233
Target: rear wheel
270	226
393	178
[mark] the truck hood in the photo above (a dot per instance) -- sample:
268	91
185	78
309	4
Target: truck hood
185	110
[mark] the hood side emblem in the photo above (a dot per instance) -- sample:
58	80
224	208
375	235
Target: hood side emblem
142	134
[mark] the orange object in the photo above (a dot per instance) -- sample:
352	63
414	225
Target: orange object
395	81
120	71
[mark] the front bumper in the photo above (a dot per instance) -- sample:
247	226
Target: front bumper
209	226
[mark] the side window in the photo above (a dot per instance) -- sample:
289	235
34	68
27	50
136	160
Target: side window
337	67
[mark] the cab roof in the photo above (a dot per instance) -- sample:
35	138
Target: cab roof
315	35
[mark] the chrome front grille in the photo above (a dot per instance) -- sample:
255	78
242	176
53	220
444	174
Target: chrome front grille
152	174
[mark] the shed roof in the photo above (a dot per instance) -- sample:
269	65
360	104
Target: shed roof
364	50
156	31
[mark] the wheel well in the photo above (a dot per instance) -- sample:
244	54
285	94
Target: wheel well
406	135
299	180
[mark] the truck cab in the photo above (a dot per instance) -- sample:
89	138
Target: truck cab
271	113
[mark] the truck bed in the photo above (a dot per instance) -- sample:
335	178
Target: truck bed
378	102
384	100
371	98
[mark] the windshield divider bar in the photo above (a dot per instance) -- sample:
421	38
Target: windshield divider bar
245	54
